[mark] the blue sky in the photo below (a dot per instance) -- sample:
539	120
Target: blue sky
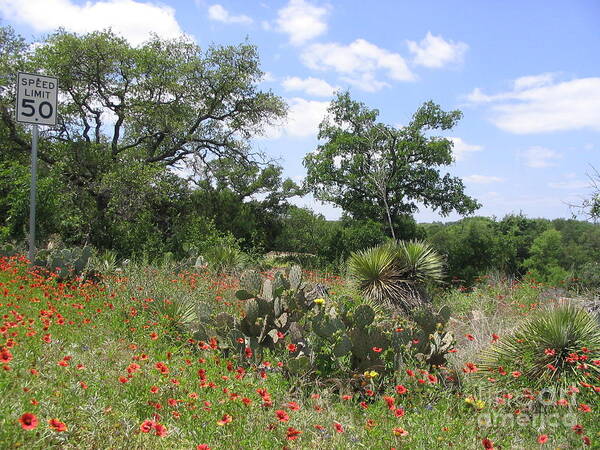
526	75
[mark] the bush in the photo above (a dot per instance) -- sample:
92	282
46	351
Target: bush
557	346
396	272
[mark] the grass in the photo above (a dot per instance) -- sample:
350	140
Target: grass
98	369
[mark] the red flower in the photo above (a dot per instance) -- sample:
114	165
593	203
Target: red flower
153	336
202	447
377	349
400	389
495	337
578	429
225	420
399	412
292	347
123	379
146	426
338	427
542	438
470	337
293	406
248	352
28	421
292	433
57	425
154	389
487	444
160	430
5	356
400	432
585	408
281	415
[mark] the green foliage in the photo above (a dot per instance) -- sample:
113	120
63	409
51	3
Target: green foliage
548	347
226	259
372	170
395	273
546	254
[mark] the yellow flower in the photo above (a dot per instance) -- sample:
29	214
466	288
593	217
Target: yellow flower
319	301
371	374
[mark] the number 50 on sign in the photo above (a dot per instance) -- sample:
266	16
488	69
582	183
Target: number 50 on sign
36	99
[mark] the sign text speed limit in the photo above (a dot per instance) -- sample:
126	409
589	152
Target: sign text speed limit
36	99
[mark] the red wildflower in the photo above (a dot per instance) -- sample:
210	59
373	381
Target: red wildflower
202	447
28	421
292	433
400	389
585	408
146	426
487	444
293	406
281	415
160	430
225	420
542	438
57	425
470	368
578	429
5	356
292	347
338	427
470	337
377	349
153	336
400	432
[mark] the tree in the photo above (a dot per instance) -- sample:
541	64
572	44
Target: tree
144	110
373	170
590	207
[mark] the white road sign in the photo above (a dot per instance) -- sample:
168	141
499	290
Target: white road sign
36	99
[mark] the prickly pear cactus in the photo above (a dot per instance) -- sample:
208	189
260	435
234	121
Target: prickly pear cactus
363	316
251	282
295	277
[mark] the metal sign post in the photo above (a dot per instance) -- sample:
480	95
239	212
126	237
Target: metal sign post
32	196
36	104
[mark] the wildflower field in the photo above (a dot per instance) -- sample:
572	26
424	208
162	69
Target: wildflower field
95	364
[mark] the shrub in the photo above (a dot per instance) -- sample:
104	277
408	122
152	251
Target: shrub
396	272
558	345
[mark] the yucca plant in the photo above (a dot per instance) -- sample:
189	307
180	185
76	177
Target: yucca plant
395	272
558	345
419	262
178	311
226	259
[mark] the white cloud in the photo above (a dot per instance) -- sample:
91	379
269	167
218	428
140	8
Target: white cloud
460	148
533	81
303	119
358	63
482	179
301	21
537	104
435	51
268	77
310	85
218	13
573	184
540	157
134	20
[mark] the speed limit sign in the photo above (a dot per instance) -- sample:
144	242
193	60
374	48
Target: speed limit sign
36	99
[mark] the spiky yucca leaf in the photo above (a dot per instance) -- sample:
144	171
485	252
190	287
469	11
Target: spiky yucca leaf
376	272
419	262
547	348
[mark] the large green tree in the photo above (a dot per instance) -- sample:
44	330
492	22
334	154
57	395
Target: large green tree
129	116
373	170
